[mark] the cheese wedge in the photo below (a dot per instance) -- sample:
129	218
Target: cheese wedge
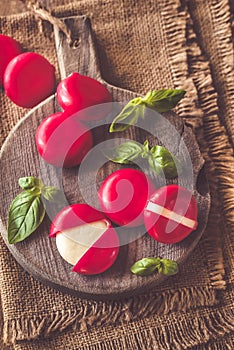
73	243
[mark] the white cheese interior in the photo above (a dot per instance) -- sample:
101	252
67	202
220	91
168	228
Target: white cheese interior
73	243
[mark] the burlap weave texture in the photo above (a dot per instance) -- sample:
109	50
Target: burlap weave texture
144	45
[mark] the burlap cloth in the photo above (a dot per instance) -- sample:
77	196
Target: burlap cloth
143	45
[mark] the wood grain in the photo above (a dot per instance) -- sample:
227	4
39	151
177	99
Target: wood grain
19	157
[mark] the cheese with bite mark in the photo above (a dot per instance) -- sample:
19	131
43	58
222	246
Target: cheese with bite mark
74	242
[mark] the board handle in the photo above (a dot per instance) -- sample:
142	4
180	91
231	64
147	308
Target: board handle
79	56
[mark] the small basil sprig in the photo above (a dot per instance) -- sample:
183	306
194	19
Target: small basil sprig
147	266
158	157
30	182
125	153
27	209
25	215
159	100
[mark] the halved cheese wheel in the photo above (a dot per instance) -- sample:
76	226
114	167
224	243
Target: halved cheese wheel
85	239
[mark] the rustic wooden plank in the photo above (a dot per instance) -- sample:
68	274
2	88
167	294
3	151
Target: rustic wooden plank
19	157
78	56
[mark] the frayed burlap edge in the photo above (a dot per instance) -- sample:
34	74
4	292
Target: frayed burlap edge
220	53
222	14
176	40
98	314
215	149
187	333
219	343
216	142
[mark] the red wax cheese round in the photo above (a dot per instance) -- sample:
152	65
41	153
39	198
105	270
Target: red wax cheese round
85	239
78	92
123	196
9	48
63	141
171	214
29	79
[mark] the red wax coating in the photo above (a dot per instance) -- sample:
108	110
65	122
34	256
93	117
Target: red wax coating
78	92
123	196
9	48
29	79
98	259
74	215
102	254
63	141
179	200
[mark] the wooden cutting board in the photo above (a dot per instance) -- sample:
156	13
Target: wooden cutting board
38	253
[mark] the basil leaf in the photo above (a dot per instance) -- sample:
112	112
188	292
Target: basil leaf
146	147
25	215
129	115
52	194
160	100
168	267
163	100
30	182
145	266
162	160
159	158
125	153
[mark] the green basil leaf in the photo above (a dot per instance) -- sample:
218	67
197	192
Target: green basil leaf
129	115
146	146
125	153
160	100
162	160
168	267
30	182
163	100
52	194
145	266
154	166
25	215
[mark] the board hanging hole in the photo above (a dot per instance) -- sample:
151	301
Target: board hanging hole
74	44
